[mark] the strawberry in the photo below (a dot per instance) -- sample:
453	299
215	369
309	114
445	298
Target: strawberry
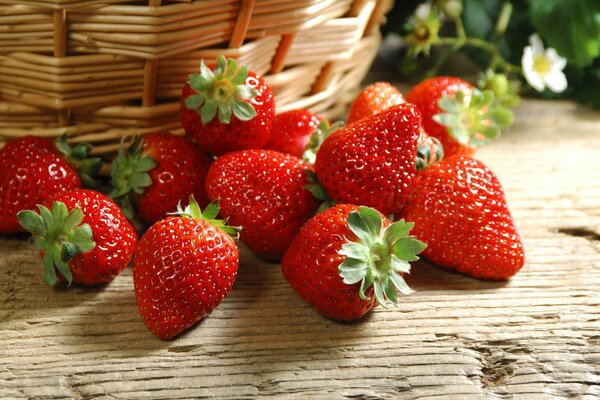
463	118
371	162
263	192
33	169
291	131
242	100
183	267
379	97
83	235
348	259
374	99
459	209
156	173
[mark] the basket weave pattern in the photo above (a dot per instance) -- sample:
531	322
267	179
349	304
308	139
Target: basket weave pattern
102	69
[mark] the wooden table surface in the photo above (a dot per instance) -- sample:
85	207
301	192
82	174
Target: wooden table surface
536	336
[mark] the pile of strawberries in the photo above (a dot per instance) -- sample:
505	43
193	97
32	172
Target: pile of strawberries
345	209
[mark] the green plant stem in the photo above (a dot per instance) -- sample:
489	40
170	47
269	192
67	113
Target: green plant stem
459	42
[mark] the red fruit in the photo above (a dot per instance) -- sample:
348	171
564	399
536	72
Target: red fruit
158	172
459	210
372	161
32	169
460	116
263	192
426	95
348	259
183	268
374	99
291	131
242	100
84	236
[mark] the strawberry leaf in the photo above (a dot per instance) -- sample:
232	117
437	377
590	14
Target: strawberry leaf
379	255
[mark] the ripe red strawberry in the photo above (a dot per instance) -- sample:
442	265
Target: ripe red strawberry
291	131
242	100
460	116
459	209
374	99
372	161
83	235
156	173
263	191
33	169
348	259
183	268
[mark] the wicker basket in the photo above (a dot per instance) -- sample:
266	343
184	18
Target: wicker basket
102	69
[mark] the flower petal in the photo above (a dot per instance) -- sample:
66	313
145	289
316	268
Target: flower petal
556	81
557	62
527	58
536	44
533	78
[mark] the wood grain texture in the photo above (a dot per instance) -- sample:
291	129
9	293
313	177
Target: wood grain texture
534	337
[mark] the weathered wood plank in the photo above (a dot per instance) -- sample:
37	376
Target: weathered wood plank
534	337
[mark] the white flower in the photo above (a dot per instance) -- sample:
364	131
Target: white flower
543	67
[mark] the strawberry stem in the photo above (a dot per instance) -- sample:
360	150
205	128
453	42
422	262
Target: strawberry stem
210	213
221	91
86	167
379	256
60	235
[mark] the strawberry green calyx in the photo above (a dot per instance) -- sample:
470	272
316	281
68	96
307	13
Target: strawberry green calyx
380	255
473	120
324	129
428	152
210	213
129	174
221	91
315	188
87	167
60	235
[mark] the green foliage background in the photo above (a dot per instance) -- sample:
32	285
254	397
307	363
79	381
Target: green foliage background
572	27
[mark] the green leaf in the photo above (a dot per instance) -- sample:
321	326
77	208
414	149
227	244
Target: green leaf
359	227
241	76
400	284
138	181
407	248
32	222
194	101
352	270
59	212
356	250
243	110
366	284
390	292
397	230
212	210
499	116
46	216
224	113
82	238
571	27
448	104
446	119
206	72
220	65
144	164
245	92
400	265
73	219
208	112
49	270
373	220
379	296
198	83
68	251
61	266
